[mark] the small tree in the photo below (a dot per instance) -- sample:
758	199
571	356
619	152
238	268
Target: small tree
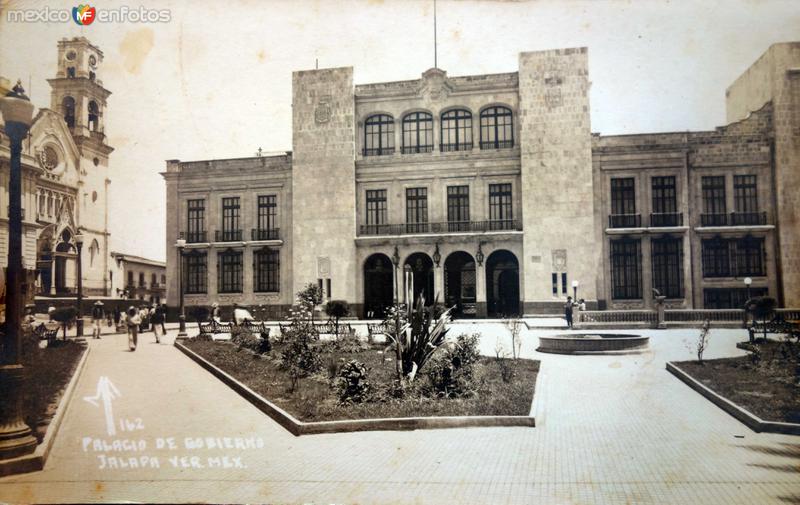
199	313
66	316
702	341
762	308
310	297
515	327
337	309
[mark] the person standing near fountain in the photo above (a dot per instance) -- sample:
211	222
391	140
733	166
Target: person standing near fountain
568	311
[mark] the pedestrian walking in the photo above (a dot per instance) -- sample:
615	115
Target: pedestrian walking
132	321
568	311
164	319
215	312
157	319
117	316
98	314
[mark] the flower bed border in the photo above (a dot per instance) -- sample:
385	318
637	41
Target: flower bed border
743	415
35	461
298	428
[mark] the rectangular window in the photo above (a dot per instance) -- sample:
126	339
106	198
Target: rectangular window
196	272
626	269
230	219
130	278
153	281
555	284
457	208
623	203
267	218
729	298
416	210
564	289
750	257
376	210
328	288
501	216
716	258
667	266
745	194
141	279
665	202
229	269
713	201
266	271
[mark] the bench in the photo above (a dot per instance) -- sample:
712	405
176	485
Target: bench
214	328
329	328
46	334
376	329
777	326
257	328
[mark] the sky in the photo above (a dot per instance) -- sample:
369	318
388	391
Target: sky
215	80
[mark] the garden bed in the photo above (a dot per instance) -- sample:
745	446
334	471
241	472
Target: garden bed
315	400
767	389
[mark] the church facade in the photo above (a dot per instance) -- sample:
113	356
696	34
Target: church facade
65	181
493	194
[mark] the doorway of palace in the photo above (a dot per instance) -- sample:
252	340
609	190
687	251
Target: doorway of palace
502	284
459	284
422	270
378	285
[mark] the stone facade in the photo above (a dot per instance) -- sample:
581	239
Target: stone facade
136	278
65	181
490	193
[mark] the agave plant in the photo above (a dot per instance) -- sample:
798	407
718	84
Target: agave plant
417	335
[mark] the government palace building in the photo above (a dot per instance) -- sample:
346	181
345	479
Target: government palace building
495	193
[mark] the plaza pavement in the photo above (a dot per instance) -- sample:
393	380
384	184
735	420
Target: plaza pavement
611	430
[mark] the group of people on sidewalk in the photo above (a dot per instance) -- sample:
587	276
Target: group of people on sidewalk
569	306
133	321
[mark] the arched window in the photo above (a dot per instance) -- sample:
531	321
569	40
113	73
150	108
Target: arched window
417	133
379	135
456	130
497	128
94	251
68	104
94	114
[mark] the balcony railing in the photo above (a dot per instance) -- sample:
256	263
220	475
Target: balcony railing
194	237
378	151
445	227
664	219
734	219
748	218
625	221
268	234
416	149
463	146
227	235
500	144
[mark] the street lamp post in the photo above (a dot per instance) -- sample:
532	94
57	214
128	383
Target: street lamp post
747	282
15	436
79	301
180	244
575	290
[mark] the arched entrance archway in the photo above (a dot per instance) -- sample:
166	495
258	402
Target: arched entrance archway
422	268
63	250
378	285
502	284
459	283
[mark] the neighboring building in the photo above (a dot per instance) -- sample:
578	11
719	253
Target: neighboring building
65	180
137	278
496	194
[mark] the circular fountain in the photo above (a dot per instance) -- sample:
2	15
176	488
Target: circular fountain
593	343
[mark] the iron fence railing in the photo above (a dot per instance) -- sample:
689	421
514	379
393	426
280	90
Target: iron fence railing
624	220
664	219
267	234
227	235
441	227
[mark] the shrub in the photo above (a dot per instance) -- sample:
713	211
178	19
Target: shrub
421	332
66	316
337	309
309	298
352	384
451	370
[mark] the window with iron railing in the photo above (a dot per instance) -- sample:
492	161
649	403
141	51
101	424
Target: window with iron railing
497	128
716	258
626	269
229	268
266	263
230	219
196	272
416	210
417	133
195	222
458	208
456	131
729	298
379	135
750	256
738	257
376	210
664	202
267	217
714	209
501	207
667	259
745	194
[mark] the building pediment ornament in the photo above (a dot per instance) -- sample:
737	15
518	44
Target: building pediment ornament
435	85
323	112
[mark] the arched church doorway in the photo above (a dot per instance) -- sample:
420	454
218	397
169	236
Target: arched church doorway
459	283
63	251
422	269
378	285
502	284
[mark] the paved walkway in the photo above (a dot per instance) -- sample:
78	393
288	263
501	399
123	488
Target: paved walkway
612	429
